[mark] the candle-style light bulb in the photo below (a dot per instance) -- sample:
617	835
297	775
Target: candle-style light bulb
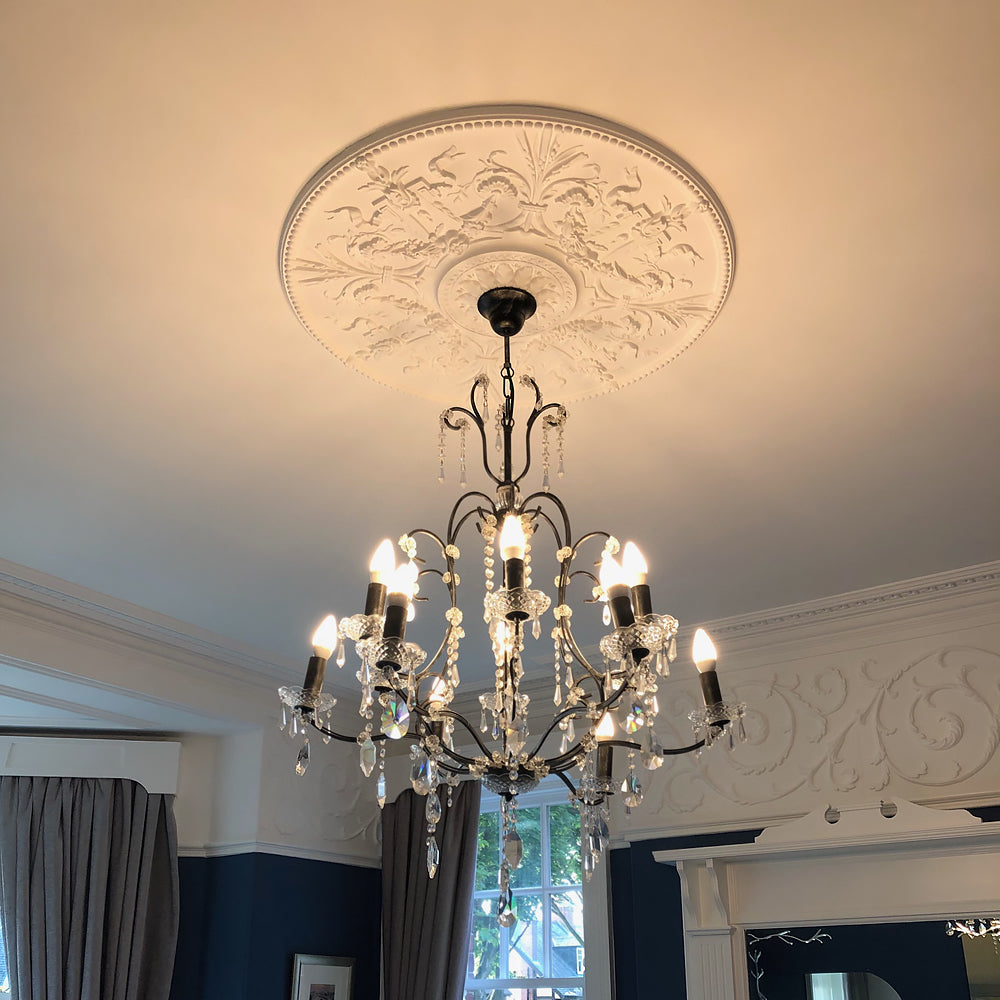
703	651
397	603
383	563
324	641
615	585
634	565
438	692
704	655
512	538
606	727
635	569
380	569
512	547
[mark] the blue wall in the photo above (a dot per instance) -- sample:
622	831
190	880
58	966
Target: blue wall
646	923
244	917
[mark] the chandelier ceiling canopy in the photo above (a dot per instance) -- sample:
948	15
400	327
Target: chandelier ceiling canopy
417	256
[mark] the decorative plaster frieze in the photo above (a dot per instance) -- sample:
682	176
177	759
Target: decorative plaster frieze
921	725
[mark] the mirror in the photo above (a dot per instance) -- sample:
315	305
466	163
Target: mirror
848	986
888	961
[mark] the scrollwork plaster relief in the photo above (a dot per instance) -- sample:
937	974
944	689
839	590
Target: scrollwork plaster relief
877	722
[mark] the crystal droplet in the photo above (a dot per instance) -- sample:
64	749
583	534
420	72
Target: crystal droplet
564	743
432	810
635	716
631	790
651	754
433	857
395	718
424	776
607	615
571	731
513	849
672	652
367	756
484	723
546	485
380	789
341	655
662	664
557	695
284	719
561	471
536	630
441	473
302	760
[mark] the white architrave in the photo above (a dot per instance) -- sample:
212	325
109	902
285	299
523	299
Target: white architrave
919	864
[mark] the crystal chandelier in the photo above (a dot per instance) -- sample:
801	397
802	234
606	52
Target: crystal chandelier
597	706
974	927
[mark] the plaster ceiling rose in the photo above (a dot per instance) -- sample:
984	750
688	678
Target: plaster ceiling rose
628	252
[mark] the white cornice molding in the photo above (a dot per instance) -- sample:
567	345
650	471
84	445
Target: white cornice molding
962	598
965	596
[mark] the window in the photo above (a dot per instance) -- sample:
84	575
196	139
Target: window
4	977
542	956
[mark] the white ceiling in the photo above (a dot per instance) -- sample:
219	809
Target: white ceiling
173	438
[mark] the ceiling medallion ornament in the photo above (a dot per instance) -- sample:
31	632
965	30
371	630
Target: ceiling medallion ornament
597	704
628	252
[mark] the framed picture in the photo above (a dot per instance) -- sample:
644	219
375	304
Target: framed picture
322	977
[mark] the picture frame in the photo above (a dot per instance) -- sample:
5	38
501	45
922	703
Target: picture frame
322	977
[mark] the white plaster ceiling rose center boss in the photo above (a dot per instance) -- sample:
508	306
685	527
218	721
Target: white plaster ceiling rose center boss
386	250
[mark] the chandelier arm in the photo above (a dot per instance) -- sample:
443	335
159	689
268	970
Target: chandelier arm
569	784
535	414
452	527
677	751
465	517
481	427
449	714
578	655
581	709
375	737
538	512
480	380
561	507
429	534
586	538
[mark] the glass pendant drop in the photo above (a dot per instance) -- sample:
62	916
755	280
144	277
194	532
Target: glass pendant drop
395	718
380	789
367	755
635	716
513	849
302	760
432	810
433	857
651	753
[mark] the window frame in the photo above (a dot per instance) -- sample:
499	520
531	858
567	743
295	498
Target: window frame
596	981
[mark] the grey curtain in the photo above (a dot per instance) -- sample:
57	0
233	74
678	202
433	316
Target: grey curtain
425	922
88	889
